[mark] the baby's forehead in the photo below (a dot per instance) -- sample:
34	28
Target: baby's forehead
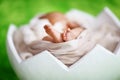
54	17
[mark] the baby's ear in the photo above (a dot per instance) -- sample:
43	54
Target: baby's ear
72	25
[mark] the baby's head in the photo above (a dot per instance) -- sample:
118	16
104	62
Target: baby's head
57	17
54	17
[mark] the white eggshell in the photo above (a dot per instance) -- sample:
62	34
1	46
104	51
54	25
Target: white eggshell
98	64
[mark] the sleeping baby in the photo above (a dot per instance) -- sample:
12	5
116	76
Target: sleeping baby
65	38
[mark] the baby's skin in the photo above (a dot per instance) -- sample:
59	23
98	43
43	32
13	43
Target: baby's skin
71	29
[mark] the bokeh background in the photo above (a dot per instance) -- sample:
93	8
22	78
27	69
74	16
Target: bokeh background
20	12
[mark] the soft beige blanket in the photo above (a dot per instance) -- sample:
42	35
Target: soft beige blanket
71	51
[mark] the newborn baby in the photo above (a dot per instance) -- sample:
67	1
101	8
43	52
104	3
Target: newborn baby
70	30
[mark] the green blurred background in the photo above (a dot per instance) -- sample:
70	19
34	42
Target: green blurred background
21	11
